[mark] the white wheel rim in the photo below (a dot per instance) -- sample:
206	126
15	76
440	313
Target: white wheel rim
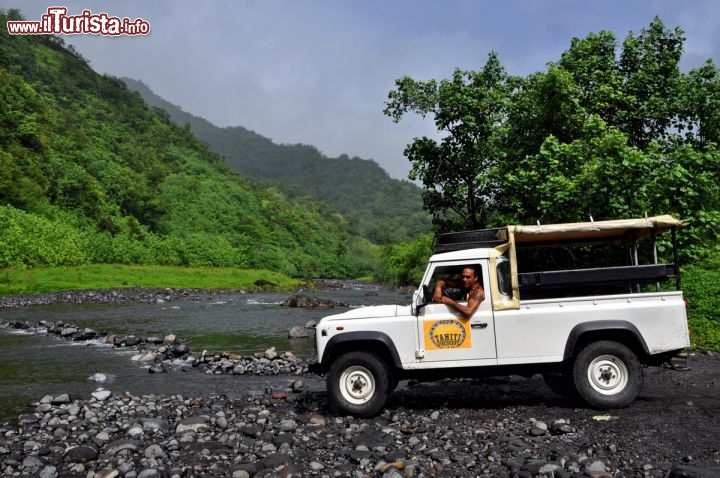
607	375
357	385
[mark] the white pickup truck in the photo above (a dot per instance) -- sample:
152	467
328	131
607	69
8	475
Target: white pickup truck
590	336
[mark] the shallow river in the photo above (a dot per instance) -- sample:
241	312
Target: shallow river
32	366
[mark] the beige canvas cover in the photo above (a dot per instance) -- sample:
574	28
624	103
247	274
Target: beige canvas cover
633	229
615	229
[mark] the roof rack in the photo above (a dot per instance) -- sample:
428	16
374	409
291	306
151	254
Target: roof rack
457	241
546	235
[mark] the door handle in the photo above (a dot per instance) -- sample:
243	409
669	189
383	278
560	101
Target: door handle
481	325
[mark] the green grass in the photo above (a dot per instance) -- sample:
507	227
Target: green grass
104	276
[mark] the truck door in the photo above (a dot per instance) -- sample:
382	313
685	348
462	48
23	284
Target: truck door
444	334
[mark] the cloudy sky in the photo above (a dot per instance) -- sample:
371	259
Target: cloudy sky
319	71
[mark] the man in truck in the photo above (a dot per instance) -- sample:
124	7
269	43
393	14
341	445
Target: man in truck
469	285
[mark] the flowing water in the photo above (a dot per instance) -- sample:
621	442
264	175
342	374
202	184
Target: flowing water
32	366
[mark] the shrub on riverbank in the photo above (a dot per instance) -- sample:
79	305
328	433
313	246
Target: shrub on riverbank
701	287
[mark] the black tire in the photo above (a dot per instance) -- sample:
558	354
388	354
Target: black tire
607	374
359	384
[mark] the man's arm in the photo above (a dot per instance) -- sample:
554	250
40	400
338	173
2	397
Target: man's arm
473	303
439	285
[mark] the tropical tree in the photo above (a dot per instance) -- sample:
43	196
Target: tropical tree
469	110
700	105
649	65
607	131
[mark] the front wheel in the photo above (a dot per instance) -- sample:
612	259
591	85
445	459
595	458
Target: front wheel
607	374
359	384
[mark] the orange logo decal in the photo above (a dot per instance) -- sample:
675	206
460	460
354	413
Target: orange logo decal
446	334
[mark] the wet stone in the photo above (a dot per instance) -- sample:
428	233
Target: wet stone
82	454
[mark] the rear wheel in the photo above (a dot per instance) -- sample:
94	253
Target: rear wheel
359	383
607	374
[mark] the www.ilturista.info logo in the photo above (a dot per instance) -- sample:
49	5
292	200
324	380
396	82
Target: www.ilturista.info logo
57	22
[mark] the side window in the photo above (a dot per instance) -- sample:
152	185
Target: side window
452	277
503	276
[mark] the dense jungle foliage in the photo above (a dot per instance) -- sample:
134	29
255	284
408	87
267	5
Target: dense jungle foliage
90	174
610	130
376	206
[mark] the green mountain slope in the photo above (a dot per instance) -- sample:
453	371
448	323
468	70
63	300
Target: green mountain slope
377	206
90	173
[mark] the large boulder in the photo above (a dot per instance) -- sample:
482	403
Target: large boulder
300	300
299	332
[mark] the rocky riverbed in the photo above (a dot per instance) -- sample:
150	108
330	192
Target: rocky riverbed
134	295
111	296
281	426
170	354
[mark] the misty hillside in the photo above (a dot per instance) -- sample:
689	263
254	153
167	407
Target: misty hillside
378	207
90	174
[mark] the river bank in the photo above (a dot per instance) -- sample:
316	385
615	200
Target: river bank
101	277
151	295
133	295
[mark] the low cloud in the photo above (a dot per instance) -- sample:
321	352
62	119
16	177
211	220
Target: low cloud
318	72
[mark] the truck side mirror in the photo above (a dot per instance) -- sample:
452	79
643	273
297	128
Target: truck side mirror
426	296
418	303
